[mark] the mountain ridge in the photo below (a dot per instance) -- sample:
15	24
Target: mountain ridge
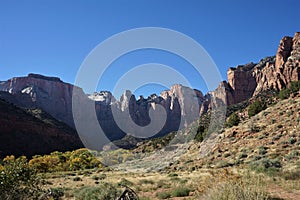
245	81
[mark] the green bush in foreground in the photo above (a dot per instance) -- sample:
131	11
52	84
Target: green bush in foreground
163	195
180	192
104	191
17	180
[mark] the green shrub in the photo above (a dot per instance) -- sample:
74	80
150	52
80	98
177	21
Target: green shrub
292	140
201	133
104	191
233	120
96	178
267	166
242	155
255	108
181	192
100	177
284	94
125	182
294	154
262	150
163	195
172	175
146	181
162	184
17	180
222	163
279	126
77	178
294	86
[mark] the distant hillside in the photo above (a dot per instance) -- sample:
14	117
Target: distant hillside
268	140
33	132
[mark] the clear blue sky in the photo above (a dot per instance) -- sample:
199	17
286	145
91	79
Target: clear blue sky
52	37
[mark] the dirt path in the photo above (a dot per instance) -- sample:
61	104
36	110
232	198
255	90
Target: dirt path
277	191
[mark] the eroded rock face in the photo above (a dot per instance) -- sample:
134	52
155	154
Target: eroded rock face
242	81
284	51
270	73
48	93
292	65
181	104
183	101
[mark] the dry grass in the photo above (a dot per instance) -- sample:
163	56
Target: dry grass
201	184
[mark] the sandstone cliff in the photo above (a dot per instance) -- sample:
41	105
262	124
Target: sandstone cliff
37	91
275	73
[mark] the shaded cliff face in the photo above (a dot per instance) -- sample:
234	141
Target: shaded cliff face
32	133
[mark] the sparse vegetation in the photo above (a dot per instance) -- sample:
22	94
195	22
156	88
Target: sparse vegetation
104	191
266	165
286	92
124	182
163	195
173	175
247	188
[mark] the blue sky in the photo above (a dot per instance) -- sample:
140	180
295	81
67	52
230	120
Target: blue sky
54	37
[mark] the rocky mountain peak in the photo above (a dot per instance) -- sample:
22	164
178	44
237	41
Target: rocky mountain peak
48	93
105	97
270	73
284	51
38	76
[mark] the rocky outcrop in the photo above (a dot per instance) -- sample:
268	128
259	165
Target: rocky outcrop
48	93
284	51
104	97
273	73
242	82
